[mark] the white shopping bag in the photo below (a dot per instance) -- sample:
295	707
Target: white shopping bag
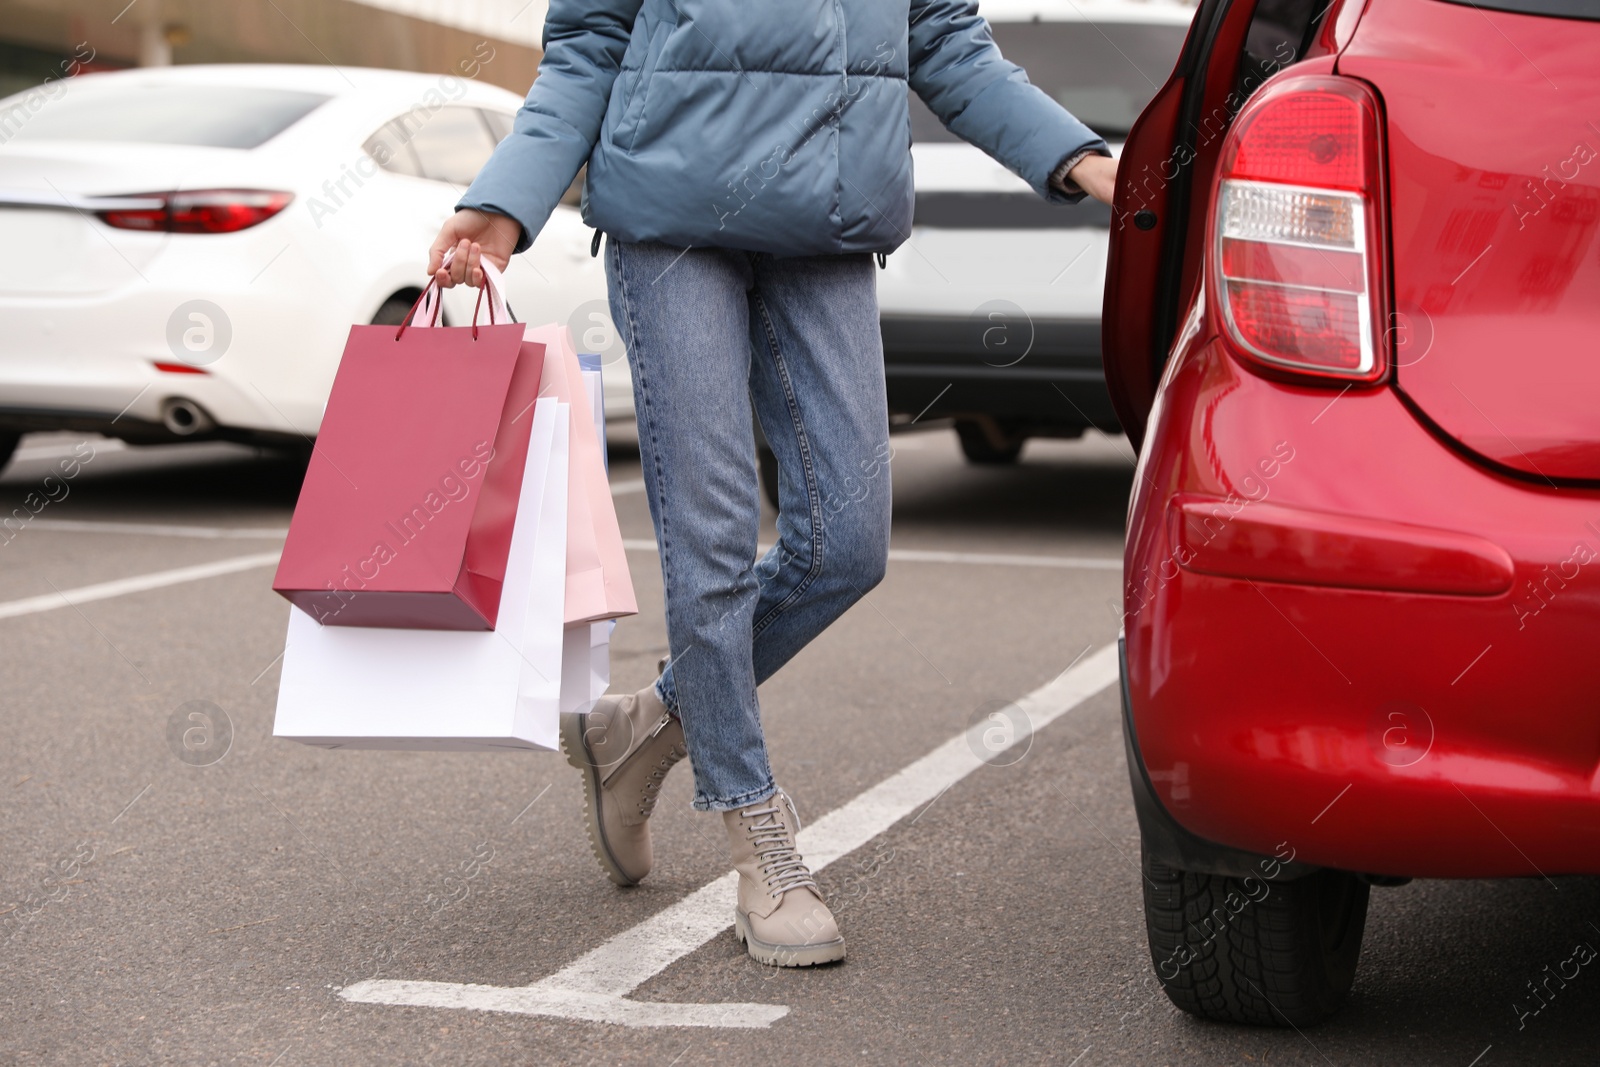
350	687
585	664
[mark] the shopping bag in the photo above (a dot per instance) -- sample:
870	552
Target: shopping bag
599	585
406	513
379	687
586	651
565	579
585	664
589	364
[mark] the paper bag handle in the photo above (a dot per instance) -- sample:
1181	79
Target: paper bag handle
432	304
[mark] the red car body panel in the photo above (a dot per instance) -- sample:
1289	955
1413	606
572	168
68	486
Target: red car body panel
1354	623
1397	733
1494	152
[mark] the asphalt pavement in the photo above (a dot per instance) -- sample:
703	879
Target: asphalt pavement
218	902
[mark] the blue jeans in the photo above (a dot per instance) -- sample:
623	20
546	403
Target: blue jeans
712	335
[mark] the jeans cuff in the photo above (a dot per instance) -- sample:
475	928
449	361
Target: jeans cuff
744	800
667	695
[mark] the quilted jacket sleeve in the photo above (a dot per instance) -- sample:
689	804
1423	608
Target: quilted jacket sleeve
556	129
987	100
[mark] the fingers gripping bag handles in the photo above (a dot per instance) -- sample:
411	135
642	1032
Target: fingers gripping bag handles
403	520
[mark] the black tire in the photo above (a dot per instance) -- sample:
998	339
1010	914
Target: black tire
8	445
1255	951
393	311
767	468
978	448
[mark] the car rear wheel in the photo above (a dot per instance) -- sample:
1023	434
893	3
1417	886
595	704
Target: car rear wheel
1252	950
980	444
8	445
393	311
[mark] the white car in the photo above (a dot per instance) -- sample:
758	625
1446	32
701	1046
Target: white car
187	247
991	311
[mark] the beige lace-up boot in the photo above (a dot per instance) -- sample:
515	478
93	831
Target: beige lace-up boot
624	746
780	915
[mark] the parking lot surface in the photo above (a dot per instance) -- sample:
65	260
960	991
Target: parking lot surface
220	902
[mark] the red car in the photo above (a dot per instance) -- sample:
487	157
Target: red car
1352	321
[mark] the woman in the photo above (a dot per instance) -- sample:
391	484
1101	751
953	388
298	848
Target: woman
745	162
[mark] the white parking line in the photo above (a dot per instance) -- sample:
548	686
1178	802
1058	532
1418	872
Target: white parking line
915	555
896	555
1003	559
595	986
27	452
120	587
153	529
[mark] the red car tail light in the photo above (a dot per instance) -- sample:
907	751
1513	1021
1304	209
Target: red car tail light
1298	239
200	211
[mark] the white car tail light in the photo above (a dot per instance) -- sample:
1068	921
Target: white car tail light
199	211
1298	241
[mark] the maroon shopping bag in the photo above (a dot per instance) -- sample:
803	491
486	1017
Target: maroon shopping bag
405	516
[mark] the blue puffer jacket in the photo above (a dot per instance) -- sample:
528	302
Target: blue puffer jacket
775	127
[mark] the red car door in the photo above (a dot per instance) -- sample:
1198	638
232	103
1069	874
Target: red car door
1166	174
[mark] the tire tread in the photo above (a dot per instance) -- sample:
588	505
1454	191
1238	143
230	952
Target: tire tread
1269	964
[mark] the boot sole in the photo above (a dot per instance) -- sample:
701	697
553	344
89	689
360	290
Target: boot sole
573	746
785	955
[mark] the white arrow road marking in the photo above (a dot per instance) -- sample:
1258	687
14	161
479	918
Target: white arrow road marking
595	986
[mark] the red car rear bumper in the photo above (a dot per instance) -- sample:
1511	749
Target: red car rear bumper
1343	636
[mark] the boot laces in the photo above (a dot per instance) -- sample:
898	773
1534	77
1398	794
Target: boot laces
777	859
651	791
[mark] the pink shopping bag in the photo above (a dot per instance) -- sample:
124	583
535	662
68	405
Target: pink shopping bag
599	585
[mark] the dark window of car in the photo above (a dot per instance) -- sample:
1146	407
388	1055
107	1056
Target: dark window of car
452	143
1104	73
1280	31
215	116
